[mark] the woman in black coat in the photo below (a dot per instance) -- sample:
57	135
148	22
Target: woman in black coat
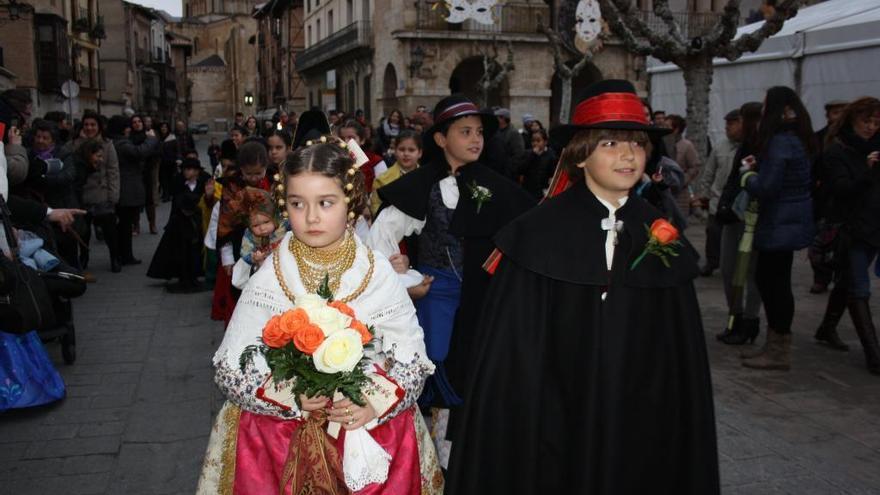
133	152
780	180
852	179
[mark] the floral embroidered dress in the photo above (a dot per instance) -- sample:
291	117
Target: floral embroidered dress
250	438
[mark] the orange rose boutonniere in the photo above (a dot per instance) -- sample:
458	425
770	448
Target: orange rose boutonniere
662	242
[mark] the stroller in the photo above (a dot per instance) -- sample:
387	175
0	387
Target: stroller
36	299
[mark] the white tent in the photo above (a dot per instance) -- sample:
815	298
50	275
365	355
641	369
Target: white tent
828	51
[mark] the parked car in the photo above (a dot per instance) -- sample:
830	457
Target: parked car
198	128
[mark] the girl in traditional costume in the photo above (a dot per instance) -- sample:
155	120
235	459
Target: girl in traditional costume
590	372
250	172
250	447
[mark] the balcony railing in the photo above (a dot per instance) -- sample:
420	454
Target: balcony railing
355	35
512	18
691	24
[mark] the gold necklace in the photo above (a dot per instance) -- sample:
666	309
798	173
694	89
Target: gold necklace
315	265
354	295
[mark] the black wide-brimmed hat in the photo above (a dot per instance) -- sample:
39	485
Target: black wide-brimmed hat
312	124
452	108
607	104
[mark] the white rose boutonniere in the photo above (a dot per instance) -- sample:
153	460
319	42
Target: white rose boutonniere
480	194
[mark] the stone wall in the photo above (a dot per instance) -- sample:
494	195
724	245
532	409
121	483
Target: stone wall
210	95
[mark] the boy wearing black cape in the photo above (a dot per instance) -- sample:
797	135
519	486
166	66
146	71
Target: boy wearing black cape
590	372
455	204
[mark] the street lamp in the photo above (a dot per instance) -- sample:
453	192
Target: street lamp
15	10
248	99
417	58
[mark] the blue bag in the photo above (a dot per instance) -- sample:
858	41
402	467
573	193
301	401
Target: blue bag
27	376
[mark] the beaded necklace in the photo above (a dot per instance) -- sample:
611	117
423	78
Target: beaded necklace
314	265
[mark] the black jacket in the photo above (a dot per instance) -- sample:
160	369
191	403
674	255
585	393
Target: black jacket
854	191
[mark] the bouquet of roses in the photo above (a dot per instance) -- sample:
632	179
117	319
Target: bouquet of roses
317	349
318	346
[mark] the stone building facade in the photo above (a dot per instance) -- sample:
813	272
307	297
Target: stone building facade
220	30
280	36
50	42
142	66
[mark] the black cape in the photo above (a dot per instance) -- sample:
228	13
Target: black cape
179	254
410	195
571	394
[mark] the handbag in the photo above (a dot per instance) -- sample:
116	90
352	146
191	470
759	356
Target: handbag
25	303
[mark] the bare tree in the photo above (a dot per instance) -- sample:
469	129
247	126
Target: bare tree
693	54
563	55
494	72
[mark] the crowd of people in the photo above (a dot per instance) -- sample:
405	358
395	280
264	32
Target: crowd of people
461	237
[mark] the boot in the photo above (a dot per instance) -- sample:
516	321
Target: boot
826	334
747	331
757	352
777	355
729	328
151	217
860	312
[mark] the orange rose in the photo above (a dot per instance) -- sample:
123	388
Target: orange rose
291	321
362	329
308	338
273	334
664	232
342	308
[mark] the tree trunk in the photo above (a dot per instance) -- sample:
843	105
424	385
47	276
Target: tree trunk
697	73
564	98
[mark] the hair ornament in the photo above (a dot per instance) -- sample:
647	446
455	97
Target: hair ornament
357	154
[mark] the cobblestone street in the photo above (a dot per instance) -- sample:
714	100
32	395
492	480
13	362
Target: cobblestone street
141	399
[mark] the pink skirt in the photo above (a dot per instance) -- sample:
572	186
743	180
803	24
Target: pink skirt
261	451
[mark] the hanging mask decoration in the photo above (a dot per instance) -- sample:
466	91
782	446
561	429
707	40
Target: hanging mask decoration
588	25
461	10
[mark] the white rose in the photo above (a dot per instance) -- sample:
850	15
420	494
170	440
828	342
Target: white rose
340	351
310	301
329	319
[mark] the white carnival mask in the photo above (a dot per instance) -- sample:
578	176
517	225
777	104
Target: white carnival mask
588	20
462	10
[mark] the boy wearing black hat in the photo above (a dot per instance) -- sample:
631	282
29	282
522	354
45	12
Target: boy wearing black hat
590	372
179	254
456	205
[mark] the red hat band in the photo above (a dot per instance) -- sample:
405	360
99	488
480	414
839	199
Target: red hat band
464	108
610	107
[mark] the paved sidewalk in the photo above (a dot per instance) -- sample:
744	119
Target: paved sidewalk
140	395
141	399
813	430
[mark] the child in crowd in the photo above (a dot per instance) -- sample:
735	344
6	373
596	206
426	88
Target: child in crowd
249	450
455	204
590	348
263	234
539	164
231	224
179	254
279	145
407	152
